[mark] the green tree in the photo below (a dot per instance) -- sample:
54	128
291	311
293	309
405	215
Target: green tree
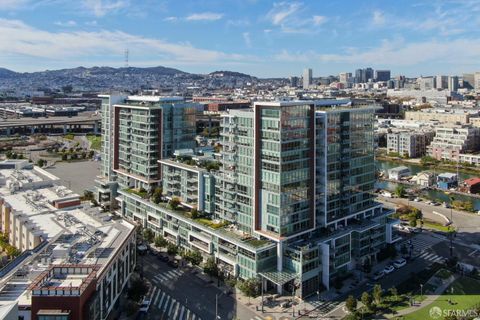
160	242
351	303
250	288
366	299
211	267
88	195
393	293
400	191
91	153
377	293
194	213
40	162
148	235
174	203
172	249
194	257
157	195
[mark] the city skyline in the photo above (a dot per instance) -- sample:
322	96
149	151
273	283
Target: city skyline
261	38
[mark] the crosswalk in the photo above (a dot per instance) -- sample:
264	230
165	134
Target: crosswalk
168	276
169	307
432	257
325	307
420	244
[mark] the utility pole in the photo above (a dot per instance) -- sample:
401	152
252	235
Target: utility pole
216	307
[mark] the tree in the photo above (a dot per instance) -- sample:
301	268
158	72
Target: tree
12	251
250	288
211	267
40	163
88	195
351	304
400	191
393	293
137	289
377	293
194	213
172	249
160	242
367	300
174	203
148	235
73	156
194	257
157	195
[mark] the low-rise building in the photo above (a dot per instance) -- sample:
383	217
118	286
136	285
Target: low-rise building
471	185
409	144
450	142
75	260
425	179
447	181
399	172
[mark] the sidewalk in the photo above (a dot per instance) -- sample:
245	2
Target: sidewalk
431	299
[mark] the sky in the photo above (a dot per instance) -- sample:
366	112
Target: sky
258	37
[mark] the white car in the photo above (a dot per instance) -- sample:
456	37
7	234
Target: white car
399	263
388	269
145	305
378	275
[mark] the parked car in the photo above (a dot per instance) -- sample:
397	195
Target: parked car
417	200
145	305
436	204
378	275
399	263
388	269
173	263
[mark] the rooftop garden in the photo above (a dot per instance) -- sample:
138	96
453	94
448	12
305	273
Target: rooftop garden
211	223
207	165
139	192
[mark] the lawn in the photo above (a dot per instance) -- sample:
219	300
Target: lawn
436	226
95	142
466	295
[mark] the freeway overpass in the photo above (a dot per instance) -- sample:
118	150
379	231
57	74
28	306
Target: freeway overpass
85	123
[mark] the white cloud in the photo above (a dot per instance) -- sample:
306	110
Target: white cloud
69	23
101	7
18	39
204	16
170	19
318	20
92	23
247	39
12	4
397	53
378	18
281	11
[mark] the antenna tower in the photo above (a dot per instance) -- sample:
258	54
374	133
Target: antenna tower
126	58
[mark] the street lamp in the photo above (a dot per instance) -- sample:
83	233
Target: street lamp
216	307
421	291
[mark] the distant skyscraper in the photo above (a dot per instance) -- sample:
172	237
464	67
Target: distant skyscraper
293	81
345	77
477	81
307	78
368	74
453	83
382	75
426	83
441	82
360	76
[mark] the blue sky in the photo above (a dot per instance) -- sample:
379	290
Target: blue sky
259	37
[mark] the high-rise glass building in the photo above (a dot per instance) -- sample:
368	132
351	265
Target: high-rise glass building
292	201
307	78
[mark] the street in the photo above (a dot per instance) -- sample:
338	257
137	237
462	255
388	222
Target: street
467	224
179	294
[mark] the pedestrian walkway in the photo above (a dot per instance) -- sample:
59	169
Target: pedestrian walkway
324	307
421	243
432	257
171	275
163	304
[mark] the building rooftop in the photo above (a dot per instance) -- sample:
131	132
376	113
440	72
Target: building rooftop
74	235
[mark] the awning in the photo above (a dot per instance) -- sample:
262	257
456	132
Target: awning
280	277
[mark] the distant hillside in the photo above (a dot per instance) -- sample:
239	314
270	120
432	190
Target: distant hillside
127	78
